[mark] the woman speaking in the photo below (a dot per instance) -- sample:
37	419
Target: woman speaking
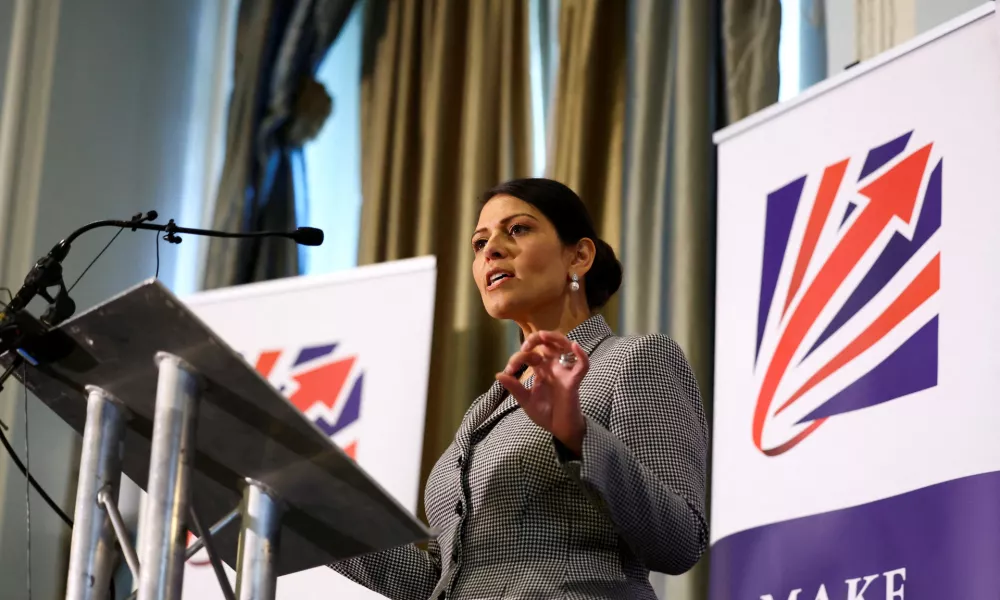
584	465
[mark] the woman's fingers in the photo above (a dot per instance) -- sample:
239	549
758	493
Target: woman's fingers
551	345
532	359
553	339
582	360
547	351
557	340
513	386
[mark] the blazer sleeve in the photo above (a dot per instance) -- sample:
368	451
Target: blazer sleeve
647	469
403	573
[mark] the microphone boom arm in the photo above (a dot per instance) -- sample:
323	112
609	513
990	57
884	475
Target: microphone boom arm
47	272
60	250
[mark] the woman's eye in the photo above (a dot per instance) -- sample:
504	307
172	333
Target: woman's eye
478	245
518	229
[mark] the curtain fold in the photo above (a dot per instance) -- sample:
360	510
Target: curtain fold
693	68
587	126
882	24
652	79
812	43
669	224
276	106
445	114
751	32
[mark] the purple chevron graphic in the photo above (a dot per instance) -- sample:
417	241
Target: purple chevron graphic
881	155
848	212
781	207
314	352
910	369
349	414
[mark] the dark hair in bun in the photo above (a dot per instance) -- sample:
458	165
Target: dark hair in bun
566	211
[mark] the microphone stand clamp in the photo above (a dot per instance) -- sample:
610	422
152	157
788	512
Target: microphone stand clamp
171	230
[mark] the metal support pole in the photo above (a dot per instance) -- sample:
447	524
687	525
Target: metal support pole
121	531
92	547
221	524
256	561
162	532
213	556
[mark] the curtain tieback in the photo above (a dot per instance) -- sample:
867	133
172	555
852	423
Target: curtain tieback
312	107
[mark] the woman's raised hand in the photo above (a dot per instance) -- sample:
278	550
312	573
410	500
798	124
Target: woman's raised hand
553	400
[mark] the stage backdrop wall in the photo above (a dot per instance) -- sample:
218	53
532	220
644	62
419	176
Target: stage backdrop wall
858	333
352	351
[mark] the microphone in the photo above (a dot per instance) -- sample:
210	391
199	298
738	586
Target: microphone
308	236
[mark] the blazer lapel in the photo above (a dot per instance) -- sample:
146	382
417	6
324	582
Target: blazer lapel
508	404
480	410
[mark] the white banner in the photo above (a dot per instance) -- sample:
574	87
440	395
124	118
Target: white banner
858	334
352	351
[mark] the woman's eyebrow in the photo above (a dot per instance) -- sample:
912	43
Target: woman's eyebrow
504	221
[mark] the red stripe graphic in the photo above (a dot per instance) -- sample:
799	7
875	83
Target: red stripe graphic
828	188
266	362
351	450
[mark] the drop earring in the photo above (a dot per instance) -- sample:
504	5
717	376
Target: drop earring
575	283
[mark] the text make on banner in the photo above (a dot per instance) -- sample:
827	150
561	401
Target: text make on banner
856	365
350	350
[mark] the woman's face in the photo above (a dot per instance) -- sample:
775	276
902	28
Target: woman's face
520	263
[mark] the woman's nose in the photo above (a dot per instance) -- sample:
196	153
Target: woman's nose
495	249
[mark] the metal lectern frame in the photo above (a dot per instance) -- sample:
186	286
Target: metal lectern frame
159	397
91	549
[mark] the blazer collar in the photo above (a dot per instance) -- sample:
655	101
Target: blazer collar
588	334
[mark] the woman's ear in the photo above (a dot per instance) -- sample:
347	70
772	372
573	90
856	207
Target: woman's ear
583	256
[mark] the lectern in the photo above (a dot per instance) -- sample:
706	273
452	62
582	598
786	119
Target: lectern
158	396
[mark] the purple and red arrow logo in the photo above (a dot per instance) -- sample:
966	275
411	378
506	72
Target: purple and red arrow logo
325	387
897	197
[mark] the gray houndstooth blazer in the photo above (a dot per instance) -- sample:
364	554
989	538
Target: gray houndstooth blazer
519	516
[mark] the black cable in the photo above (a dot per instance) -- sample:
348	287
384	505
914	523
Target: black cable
27	481
3	426
38	488
157	276
95	260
